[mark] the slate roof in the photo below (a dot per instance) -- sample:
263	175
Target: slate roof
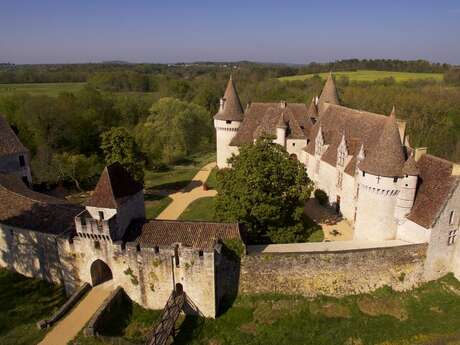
232	110
115	186
200	235
312	109
262	118
386	156
435	185
328	94
9	142
23	208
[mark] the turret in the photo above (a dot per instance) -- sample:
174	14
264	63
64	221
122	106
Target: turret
281	128
328	95
407	188
227	121
116	201
379	175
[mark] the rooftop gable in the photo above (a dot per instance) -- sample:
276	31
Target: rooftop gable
9	142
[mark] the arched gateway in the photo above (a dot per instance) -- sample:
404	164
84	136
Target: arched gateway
100	272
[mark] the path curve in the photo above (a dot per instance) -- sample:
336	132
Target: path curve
183	198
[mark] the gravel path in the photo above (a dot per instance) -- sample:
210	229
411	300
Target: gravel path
185	196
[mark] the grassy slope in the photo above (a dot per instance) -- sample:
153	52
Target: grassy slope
200	209
155	204
23	302
368	75
40	89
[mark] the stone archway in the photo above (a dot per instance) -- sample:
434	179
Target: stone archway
100	272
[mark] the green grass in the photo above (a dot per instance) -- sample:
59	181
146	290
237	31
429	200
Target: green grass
368	75
212	179
316	236
41	89
155	204
23	302
178	176
200	209
422	316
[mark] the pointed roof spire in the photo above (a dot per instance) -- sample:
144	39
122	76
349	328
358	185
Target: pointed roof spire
386	156
329	93
312	109
282	123
410	167
231	108
114	185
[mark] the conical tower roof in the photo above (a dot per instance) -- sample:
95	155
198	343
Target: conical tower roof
410	167
232	109
312	109
329	93
386	157
282	123
113	187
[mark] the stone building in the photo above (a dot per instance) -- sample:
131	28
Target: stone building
386	189
14	157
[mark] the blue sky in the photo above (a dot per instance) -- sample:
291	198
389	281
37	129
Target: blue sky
46	31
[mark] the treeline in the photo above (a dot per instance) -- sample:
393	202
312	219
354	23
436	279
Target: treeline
375	64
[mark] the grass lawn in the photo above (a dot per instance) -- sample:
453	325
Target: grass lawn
178	176
200	209
212	179
427	315
41	89
23	302
368	75
155	204
129	324
316	236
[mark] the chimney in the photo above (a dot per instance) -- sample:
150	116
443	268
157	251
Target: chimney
419	152
283	104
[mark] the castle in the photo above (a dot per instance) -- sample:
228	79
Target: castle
386	189
404	205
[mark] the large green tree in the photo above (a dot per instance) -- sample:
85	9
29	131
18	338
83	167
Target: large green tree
119	146
265	189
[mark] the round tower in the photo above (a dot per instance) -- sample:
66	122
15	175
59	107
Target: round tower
227	121
281	128
379	176
407	188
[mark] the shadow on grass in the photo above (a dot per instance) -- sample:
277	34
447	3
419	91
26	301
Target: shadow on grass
118	319
172	186
189	328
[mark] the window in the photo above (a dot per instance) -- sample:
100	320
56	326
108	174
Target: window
138	248
157	249
339	179
83	221
293	144
395	179
22	161
97	245
364	173
451	217
451	238
200	254
176	255
228	122
101	215
341	158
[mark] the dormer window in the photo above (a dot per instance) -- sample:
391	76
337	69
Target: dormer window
341	158
101	215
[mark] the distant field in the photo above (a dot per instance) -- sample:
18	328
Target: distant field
368	75
40	89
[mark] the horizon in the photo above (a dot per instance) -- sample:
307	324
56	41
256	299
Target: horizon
298	32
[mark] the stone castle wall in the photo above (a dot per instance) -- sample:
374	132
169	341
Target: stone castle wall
336	273
10	165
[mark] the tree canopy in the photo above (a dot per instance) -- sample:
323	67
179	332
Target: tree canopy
265	190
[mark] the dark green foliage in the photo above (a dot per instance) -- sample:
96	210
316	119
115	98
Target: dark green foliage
452	76
265	190
234	248
118	145
322	197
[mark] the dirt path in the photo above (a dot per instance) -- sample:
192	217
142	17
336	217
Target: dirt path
66	329
185	196
335	228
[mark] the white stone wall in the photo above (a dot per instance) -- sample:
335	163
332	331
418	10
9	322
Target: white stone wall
296	146
224	135
412	232
147	276
347	197
442	257
375	208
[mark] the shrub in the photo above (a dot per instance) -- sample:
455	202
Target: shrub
322	197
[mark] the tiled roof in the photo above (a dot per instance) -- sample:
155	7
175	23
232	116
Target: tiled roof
114	187
232	106
386	156
262	118
410	167
9	142
328	95
200	235
435	185
312	109
23	208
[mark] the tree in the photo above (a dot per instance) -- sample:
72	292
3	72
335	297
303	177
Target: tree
119	146
174	130
265	190
76	168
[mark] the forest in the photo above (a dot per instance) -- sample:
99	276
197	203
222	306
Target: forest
161	114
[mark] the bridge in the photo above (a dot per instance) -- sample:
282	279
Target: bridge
169	316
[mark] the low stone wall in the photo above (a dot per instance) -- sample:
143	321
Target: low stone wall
103	314
333	273
68	305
